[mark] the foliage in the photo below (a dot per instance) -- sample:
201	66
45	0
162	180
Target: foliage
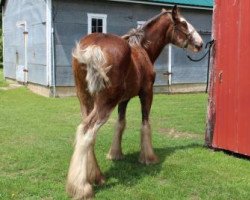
1	42
37	136
1	49
3	83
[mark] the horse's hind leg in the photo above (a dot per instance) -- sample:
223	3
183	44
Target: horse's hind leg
95	175
83	168
86	100
115	152
147	155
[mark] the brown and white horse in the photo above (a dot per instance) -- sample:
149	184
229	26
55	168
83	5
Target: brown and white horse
109	70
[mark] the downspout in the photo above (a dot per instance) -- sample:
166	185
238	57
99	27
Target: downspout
23	25
50	49
169	64
53	63
53	52
25	53
3	31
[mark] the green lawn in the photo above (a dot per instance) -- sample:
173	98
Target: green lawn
2	81
37	134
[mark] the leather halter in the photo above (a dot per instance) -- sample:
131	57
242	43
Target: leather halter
188	35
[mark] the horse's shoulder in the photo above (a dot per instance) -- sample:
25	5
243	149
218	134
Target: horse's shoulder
140	53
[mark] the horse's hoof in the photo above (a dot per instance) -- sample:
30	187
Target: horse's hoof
153	159
82	192
115	155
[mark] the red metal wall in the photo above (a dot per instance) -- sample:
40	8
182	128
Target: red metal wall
230	93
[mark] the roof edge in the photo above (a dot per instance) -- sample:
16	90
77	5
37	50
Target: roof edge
164	4
2	3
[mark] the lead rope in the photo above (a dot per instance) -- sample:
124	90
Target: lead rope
210	44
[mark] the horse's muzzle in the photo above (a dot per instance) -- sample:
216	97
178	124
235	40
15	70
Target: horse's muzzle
198	47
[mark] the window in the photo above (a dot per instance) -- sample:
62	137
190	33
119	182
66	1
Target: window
97	23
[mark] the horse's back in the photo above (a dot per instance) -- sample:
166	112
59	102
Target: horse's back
115	48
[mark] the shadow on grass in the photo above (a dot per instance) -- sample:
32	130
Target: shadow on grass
129	171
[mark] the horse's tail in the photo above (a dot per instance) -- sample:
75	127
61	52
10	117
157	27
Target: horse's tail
95	61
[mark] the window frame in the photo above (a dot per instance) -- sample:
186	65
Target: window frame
140	23
103	17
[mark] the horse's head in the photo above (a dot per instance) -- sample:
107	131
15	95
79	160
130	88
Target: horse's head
184	34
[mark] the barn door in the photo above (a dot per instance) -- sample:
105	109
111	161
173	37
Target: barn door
229	114
21	52
244	80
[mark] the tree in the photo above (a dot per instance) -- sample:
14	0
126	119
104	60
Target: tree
1	41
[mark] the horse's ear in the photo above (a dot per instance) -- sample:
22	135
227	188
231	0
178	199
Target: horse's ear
163	10
175	13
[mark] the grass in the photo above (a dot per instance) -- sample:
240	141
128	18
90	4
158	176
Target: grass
37	134
3	83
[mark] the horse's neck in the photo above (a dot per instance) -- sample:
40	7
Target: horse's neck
157	38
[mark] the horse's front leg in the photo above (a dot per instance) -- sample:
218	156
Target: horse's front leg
147	155
115	152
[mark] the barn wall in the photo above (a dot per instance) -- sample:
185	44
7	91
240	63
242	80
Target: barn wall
229	111
70	24
34	13
184	70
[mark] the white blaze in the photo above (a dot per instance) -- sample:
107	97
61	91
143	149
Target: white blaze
195	35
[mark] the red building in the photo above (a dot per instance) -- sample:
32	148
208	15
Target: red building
228	121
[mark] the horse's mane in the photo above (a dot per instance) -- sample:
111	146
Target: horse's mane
136	36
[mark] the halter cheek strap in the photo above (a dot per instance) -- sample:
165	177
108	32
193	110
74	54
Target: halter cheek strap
188	35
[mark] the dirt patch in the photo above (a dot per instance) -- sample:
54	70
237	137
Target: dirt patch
11	86
177	134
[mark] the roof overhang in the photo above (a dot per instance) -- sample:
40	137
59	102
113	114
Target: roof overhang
163	4
2	2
